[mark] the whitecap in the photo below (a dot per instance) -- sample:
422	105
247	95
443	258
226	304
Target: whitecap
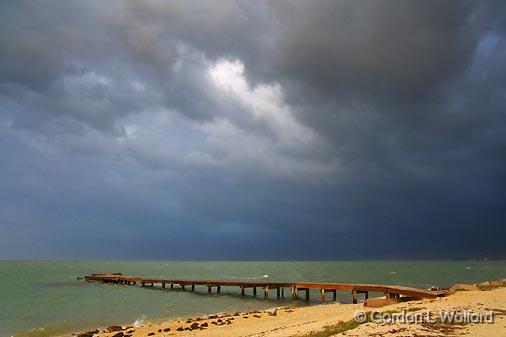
139	321
248	278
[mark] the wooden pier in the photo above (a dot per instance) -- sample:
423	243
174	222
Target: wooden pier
390	291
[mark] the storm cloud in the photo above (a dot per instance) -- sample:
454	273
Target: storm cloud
252	130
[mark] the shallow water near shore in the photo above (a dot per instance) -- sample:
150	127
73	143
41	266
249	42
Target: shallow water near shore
44	298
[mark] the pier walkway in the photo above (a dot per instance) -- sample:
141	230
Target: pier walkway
390	291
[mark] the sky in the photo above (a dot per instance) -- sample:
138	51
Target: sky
260	130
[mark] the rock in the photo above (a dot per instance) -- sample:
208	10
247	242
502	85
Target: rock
88	333
151	334
237	314
257	316
118	334
245	317
194	326
114	328
215	323
159	330
205	325
180	328
166	329
131	331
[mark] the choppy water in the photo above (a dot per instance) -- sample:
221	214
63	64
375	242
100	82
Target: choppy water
43	298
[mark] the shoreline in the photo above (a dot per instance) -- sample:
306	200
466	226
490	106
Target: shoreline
331	319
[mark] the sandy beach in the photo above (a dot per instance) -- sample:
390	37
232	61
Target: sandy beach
338	320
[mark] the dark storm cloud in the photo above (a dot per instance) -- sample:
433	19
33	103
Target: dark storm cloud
357	129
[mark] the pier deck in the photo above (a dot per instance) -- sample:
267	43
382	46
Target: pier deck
390	291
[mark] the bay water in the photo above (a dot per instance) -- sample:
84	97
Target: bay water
45	298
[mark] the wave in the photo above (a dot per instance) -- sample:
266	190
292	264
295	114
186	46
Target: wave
249	278
139	321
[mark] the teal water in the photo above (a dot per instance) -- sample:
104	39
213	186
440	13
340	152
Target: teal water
43	298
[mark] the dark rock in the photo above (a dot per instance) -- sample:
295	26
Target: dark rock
205	325
85	334
159	330
237	314
118	334
180	328
88	333
114	328
215	323
257	316
151	334
131	331
245	317
166	329
194	326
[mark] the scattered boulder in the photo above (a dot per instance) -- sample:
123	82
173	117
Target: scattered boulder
86	334
159	330
204	325
151	334
114	328
194	326
89	333
118	334
257	316
180	328
166	330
